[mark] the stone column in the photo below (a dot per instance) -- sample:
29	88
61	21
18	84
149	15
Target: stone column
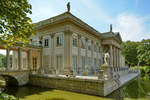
30	59
41	70
8	58
86	58
111	55
79	53
20	58
114	56
53	53
119	58
68	52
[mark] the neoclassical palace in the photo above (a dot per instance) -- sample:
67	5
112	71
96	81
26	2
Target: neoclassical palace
66	53
65	43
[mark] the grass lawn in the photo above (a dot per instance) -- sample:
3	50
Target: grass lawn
61	95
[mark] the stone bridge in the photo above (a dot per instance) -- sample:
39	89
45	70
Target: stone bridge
15	78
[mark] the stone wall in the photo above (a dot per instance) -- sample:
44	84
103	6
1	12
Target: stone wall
88	86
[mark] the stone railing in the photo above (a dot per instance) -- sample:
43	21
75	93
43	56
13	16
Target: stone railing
119	70
111	72
133	70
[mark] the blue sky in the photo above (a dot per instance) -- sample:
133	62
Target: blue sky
130	17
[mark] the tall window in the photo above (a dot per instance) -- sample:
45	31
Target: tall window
95	62
82	44
89	47
59	63
83	62
99	65
89	63
99	49
34	62
59	40
45	42
75	63
75	41
95	48
24	62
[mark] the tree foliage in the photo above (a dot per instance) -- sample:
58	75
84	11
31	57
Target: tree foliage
15	26
144	51
129	50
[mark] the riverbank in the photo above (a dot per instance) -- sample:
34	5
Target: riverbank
135	90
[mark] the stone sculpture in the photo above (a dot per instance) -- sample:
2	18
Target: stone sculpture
106	58
68	6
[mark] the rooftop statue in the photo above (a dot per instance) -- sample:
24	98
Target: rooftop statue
110	27
68	6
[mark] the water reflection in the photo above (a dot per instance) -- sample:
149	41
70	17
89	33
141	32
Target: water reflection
138	89
135	90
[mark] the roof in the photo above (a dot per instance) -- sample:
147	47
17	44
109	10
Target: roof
115	35
67	16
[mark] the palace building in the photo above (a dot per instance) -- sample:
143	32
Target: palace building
66	53
70	45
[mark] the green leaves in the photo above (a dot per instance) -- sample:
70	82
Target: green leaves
15	26
129	50
135	52
144	51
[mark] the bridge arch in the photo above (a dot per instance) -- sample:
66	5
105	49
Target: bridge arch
10	80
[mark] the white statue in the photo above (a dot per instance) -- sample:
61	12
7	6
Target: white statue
106	58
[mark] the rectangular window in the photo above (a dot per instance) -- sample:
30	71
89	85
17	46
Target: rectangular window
89	63
59	63
89	47
83	62
82	44
95	48
99	65
34	63
75	63
95	61
46	42
24	62
99	49
74	41
59	40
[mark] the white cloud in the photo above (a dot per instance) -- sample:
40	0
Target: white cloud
131	27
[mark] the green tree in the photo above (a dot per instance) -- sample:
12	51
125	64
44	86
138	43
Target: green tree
15	26
144	51
129	50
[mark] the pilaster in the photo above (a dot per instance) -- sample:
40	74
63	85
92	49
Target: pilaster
111	55
79	53
20	58
30	59
52	52
68	52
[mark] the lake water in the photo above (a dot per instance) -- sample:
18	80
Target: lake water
135	90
